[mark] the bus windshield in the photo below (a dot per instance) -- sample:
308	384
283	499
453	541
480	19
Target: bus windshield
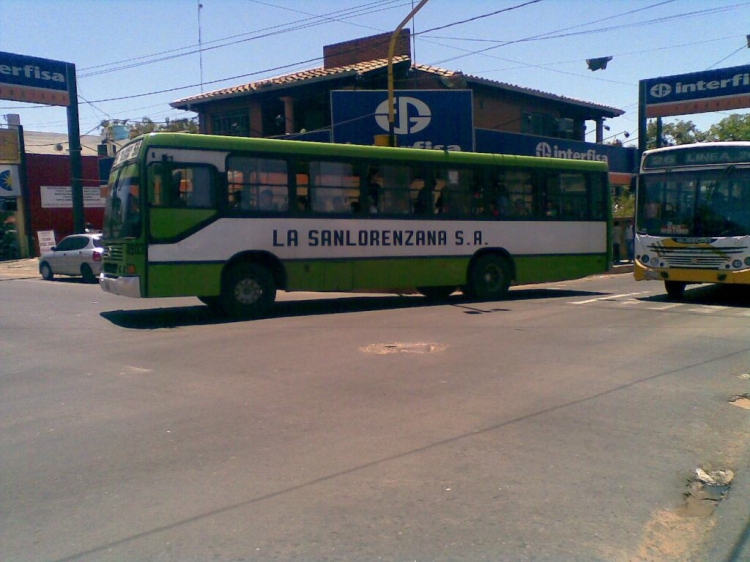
701	204
122	215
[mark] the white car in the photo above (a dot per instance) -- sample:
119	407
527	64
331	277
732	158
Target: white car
77	254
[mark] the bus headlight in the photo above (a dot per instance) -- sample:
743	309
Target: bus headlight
737	264
645	258
747	260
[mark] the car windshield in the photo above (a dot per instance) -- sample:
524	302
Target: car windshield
122	215
715	203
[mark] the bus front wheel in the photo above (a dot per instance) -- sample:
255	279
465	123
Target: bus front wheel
489	278
248	291
675	289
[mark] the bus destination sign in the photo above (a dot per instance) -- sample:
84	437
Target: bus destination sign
698	156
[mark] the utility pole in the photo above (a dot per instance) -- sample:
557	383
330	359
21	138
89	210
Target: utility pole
391	49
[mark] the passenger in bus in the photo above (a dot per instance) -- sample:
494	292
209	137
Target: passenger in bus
373	188
236	200
519	208
372	196
424	203
265	203
503	201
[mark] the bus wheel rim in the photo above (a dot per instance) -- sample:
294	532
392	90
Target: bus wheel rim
491	277
248	291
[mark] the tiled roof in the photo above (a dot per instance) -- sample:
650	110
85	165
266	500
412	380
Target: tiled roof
321	73
540	94
295	79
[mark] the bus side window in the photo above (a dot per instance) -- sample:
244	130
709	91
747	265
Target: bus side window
598	188
187	186
257	184
510	194
335	187
455	196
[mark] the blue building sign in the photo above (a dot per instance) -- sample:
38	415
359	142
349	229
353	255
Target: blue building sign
620	160
431	119
32	79
697	92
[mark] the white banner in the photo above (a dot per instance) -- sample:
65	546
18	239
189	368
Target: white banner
46	240
10	183
61	197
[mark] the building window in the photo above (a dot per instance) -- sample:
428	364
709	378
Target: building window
231	124
540	124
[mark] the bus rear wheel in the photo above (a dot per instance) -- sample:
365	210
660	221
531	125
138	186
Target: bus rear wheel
248	291
675	289
436	293
489	278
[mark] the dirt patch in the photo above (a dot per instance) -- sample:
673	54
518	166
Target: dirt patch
741	401
414	347
677	535
672	537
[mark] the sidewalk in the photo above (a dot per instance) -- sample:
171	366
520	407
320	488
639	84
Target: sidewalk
19	269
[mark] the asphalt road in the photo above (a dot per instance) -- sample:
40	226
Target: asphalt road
563	424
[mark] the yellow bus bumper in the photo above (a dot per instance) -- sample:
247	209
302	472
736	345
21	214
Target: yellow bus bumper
737	277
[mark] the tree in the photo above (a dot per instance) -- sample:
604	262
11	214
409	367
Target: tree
146	125
736	127
679	132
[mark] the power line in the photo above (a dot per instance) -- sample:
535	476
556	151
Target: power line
242	38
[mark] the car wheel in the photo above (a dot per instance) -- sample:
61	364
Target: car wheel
489	278
87	274
248	291
46	271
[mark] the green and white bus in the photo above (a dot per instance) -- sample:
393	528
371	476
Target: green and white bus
232	220
693	215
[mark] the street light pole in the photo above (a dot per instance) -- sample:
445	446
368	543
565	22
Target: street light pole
391	49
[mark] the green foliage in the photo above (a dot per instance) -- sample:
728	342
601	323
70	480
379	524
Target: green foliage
679	132
736	127
733	128
146	125
8	241
623	205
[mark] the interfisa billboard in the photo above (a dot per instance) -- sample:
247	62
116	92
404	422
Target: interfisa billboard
431	119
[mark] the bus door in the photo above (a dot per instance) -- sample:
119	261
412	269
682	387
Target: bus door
182	198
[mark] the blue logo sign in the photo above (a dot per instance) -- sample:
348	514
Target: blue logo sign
6	182
431	119
618	159
709	84
34	72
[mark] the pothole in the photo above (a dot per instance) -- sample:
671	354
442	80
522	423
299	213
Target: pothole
705	490
405	347
741	401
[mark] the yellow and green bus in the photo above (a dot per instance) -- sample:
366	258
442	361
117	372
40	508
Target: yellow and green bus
693	215
232	220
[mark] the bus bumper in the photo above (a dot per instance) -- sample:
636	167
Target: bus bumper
124	286
736	277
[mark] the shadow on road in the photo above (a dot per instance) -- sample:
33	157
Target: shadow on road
176	317
710	295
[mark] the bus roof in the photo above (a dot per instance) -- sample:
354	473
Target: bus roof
306	148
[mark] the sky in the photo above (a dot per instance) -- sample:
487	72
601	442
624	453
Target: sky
134	57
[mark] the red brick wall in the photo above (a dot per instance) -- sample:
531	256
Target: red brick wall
54	170
365	49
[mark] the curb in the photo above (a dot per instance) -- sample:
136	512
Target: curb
19	269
